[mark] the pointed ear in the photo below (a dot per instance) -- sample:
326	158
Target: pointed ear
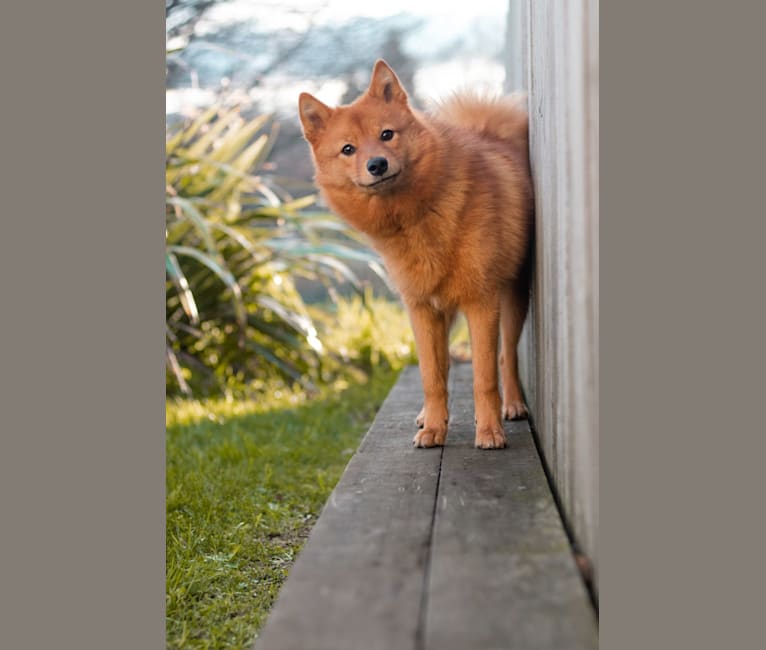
385	85
314	115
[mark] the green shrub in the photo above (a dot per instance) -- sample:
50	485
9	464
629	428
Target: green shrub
236	243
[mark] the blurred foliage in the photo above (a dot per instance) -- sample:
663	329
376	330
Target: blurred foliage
237	242
202	49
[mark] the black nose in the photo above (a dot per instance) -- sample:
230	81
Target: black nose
377	166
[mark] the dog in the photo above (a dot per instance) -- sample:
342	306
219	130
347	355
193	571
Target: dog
447	200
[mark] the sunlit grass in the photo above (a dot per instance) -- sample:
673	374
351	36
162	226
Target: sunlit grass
247	478
245	482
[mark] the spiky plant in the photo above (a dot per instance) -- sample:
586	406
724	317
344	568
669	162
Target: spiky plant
236	242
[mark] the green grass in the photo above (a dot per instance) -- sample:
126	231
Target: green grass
246	478
245	482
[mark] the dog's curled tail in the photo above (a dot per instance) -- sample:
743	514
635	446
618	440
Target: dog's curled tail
502	118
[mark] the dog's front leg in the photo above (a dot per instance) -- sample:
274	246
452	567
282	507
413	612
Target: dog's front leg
483	322
431	329
443	355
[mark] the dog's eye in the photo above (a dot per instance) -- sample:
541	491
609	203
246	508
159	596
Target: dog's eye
348	149
387	134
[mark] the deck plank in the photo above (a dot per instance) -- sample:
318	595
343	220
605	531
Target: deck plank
358	582
502	573
426	549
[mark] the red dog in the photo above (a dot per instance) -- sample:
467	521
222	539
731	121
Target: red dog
447	201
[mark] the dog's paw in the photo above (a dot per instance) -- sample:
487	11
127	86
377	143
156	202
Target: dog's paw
515	410
429	437
490	437
420	421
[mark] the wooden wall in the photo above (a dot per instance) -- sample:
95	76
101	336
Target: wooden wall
553	55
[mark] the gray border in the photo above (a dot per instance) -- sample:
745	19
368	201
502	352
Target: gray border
81	267
82	399
681	348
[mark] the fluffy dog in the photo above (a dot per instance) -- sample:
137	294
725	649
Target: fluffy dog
446	199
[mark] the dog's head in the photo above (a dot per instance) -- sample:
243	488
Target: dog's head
365	145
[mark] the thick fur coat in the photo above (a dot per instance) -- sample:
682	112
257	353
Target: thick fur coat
446	199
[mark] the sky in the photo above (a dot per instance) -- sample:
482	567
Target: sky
333	10
445	22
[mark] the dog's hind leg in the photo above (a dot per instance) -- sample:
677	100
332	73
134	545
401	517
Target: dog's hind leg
514	303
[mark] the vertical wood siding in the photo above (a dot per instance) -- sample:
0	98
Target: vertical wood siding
553	54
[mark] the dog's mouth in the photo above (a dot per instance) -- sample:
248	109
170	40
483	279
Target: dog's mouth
381	183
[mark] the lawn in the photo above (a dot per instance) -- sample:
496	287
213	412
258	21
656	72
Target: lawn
245	482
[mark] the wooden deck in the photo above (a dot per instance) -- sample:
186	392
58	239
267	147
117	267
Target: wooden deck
435	549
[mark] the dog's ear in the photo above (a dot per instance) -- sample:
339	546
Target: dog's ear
314	115
385	84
